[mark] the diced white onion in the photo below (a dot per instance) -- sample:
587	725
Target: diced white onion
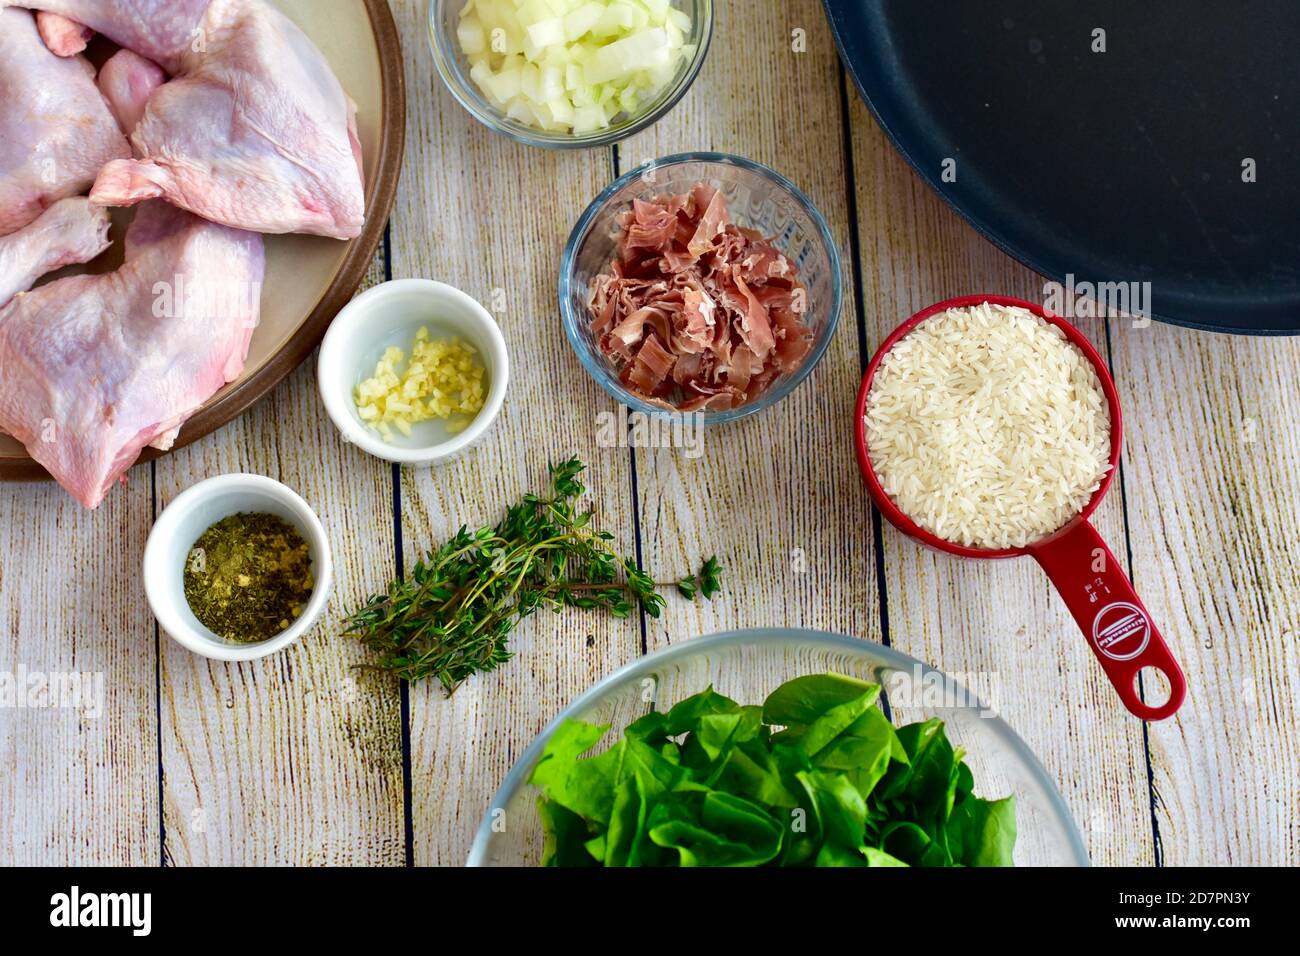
573	65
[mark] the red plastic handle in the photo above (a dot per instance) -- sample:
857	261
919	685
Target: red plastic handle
1112	617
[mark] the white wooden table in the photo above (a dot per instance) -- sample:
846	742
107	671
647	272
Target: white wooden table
297	759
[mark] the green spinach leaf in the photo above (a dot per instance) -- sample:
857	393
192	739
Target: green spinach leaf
817	776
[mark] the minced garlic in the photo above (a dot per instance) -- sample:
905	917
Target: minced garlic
443	380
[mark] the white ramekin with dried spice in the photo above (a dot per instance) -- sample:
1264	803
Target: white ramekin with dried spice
180	526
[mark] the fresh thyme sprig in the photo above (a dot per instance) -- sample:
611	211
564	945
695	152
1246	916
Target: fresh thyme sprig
451	616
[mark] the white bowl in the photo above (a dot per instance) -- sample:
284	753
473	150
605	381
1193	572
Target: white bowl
390	314
184	521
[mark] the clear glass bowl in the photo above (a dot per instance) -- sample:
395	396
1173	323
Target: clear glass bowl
748	665
453	67
757	198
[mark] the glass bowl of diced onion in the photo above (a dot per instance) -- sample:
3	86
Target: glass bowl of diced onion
569	74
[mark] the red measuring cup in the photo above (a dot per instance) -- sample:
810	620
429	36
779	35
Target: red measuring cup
1089	579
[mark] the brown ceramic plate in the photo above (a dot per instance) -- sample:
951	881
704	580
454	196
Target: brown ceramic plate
308	279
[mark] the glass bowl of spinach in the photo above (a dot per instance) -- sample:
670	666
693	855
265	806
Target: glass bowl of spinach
778	747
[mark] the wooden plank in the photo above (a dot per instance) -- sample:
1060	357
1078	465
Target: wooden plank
485	214
1000	620
777	497
297	758
1212	476
80	786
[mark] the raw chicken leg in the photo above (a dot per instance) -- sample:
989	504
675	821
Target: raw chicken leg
56	132
70	231
127	81
253	131
95	368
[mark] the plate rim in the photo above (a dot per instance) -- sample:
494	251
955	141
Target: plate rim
356	263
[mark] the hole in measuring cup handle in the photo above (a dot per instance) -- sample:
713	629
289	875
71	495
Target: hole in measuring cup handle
1154	686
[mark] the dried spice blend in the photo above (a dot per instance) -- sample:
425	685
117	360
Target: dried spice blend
249	577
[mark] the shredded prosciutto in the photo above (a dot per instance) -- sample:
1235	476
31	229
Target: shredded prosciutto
696	312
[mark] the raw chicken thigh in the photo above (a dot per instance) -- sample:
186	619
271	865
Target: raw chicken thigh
253	131
71	231
93	369
56	132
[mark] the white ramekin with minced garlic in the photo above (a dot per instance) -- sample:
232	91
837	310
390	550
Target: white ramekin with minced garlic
378	396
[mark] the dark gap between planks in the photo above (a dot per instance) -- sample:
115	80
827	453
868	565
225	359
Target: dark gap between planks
617	168
399	565
864	353
1128	556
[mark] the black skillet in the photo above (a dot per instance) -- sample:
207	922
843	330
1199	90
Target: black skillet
1131	165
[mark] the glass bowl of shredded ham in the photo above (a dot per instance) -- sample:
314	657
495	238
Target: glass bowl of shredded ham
700	284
